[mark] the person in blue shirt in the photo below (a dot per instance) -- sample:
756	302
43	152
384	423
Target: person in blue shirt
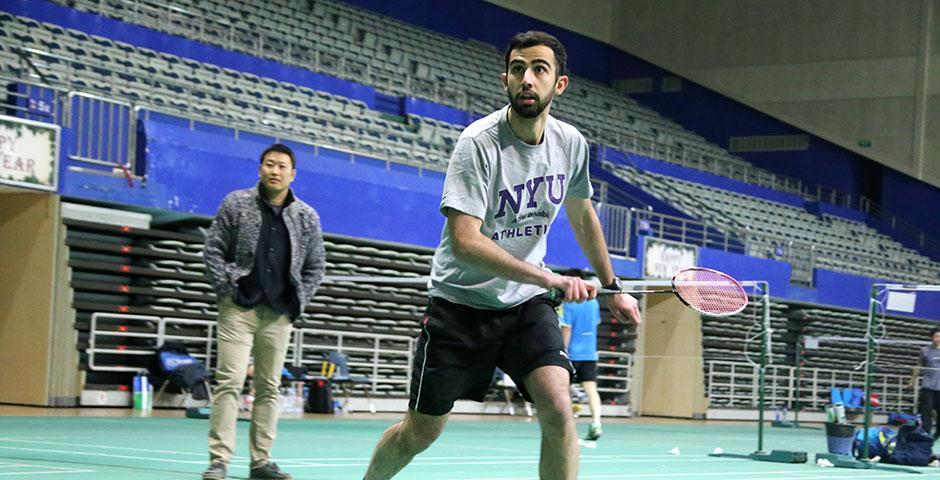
579	329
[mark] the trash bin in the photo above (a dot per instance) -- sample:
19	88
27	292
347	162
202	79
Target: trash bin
840	436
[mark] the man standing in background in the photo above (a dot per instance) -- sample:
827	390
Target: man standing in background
930	385
579	328
265	256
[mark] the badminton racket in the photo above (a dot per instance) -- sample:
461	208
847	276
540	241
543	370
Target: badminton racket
704	290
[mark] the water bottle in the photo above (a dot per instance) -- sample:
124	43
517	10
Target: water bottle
839	412
143	393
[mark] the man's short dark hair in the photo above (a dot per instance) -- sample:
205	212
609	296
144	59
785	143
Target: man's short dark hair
535	37
279	148
934	331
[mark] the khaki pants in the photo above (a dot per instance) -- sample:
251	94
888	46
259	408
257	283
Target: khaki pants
242	333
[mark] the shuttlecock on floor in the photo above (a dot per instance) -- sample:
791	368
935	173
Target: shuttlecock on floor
674	451
717	451
822	462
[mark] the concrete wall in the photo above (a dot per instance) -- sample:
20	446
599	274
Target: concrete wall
29	225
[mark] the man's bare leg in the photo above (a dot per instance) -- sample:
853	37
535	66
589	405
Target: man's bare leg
548	387
402	441
594	400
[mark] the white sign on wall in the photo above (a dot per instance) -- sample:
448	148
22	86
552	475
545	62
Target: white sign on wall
662	259
29	153
902	301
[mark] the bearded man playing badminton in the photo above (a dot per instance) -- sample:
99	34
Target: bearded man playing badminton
489	306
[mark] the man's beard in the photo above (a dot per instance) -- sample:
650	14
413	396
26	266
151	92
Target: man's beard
529	111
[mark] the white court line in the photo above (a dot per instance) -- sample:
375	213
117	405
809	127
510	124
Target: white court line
329	461
801	475
455	462
111	447
46	472
108	455
451	458
28	465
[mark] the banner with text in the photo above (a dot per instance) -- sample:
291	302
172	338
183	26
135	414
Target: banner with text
662	259
29	153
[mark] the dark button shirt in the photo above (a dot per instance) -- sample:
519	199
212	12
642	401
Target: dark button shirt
269	280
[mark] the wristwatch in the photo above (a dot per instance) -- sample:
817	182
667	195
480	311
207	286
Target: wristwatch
616	285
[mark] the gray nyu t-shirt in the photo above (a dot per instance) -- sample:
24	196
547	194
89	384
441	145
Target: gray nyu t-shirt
930	361
517	190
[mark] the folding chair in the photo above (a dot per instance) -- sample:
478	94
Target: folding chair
336	369
176	370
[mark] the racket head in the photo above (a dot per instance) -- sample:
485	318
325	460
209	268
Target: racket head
709	292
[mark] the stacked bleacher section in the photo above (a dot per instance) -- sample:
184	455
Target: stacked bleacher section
135	288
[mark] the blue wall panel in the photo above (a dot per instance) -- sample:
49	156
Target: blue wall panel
191	170
425	108
743	267
912	200
853	291
822	208
352	198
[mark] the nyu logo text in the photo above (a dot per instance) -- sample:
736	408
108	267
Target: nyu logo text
514	198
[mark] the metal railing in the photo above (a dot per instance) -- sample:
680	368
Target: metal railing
389	356
692	232
616	225
619	223
30	104
384	359
616	370
734	384
104	131
152	330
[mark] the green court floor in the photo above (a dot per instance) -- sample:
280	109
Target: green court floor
169	448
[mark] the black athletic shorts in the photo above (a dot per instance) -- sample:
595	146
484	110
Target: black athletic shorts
585	371
460	346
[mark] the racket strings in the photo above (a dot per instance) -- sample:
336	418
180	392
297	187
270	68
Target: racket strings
709	291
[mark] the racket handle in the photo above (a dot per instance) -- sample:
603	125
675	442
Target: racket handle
557	295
